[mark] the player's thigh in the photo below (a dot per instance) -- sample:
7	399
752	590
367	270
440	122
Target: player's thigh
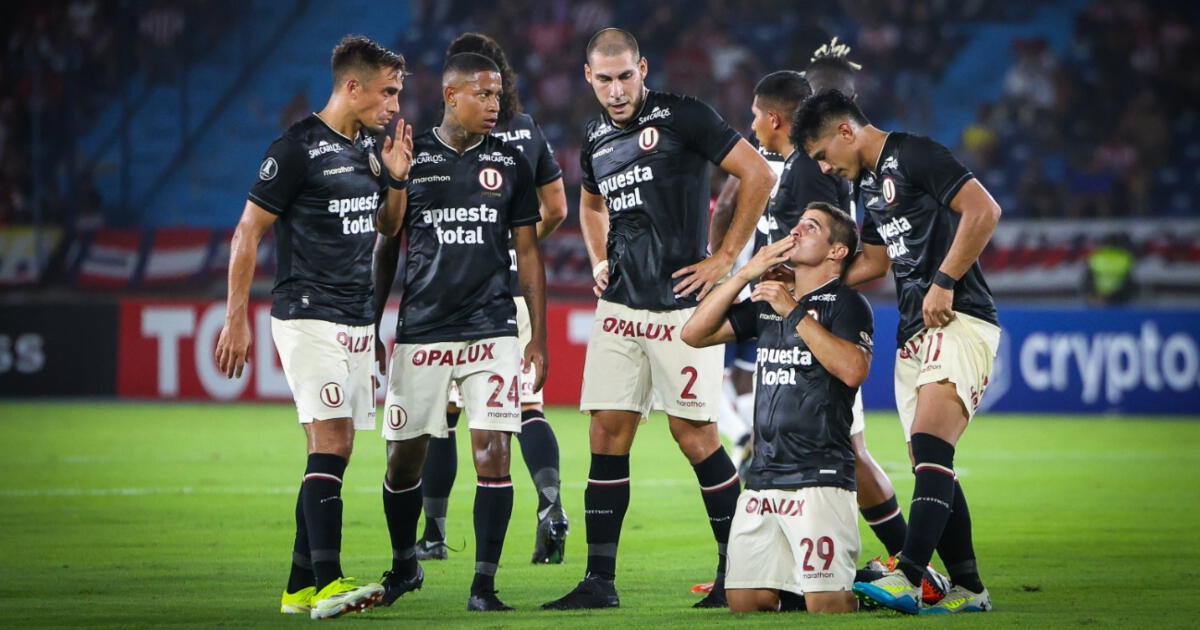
616	372
759	555
687	380
419	378
490	381
822	532
328	368
907	368
528	372
956	365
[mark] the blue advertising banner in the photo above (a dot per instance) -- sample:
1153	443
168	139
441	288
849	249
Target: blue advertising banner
1075	361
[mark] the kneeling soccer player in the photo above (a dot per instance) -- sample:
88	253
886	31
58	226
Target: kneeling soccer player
796	525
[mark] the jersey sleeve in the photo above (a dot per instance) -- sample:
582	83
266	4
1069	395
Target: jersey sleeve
587	178
869	233
280	176
546	169
854	321
524	208
743	317
703	129
932	168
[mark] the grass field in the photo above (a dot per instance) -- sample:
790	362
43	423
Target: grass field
140	515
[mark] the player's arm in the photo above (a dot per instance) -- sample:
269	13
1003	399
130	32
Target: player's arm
709	324
397	159
757	178
723	212
552	205
870	264
980	214
233	344
383	274
593	222
532	277
849	362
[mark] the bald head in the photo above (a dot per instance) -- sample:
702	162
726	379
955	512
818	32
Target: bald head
611	42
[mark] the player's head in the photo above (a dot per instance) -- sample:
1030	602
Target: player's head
831	70
828	128
471	87
825	232
510	101
776	98
617	72
369	78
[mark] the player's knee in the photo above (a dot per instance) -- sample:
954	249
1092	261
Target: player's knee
751	600
831	603
491	451
404	461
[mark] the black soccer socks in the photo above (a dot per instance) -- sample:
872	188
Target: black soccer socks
956	549
932	497
321	495
302	573
887	521
437	475
493	509
605	502
539	449
718	479
402	507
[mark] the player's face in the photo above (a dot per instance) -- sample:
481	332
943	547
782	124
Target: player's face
618	82
475	100
835	151
812	239
377	99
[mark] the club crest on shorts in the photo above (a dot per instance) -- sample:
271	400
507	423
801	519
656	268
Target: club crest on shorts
375	168
268	170
889	189
396	417
648	138
491	179
332	395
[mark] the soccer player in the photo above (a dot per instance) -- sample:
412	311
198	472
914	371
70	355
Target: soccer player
795	528
320	186
466	191
643	209
927	219
539	448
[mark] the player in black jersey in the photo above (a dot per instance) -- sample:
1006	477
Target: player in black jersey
320	187
539	448
467	192
643	209
927	219
795	529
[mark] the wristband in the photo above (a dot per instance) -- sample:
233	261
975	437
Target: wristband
396	184
943	280
600	266
797	315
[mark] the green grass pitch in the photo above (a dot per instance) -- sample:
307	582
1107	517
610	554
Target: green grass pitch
148	515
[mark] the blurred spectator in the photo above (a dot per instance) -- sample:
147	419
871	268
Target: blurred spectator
1108	277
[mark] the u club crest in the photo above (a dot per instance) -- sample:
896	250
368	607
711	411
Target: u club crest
490	179
648	138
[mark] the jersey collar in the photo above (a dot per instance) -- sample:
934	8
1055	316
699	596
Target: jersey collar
335	131
882	148
438	136
820	288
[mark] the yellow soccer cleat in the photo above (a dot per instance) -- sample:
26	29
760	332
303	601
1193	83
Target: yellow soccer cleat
344	595
298	602
960	600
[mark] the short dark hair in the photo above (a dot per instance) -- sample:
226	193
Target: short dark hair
783	91
467	63
362	55
818	111
842	229
611	42
832	73
510	101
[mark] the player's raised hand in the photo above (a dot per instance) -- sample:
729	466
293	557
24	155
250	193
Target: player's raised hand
775	293
535	358
768	258
233	347
702	276
938	307
397	150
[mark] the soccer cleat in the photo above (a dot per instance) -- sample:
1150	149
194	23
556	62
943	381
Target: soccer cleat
894	591
394	586
591	592
431	550
486	602
715	597
551	540
343	596
933	584
703	587
298	602
960	600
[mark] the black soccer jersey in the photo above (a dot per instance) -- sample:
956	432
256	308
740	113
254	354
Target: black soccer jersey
800	183
325	188
802	413
525	134
653	175
460	210
907	208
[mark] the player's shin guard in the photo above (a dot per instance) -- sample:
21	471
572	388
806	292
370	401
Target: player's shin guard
321	495
302	572
887	521
402	507
493	509
539	448
605	502
719	487
932	496
956	548
437	476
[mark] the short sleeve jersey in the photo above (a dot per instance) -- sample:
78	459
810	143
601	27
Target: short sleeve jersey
325	189
906	203
522	132
802	413
800	183
653	175
460	210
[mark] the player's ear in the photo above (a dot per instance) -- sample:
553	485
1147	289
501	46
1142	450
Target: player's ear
838	252
643	67
448	95
587	73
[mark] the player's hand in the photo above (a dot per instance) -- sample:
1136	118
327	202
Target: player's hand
702	276
781	273
397	151
767	258
233	347
775	293
535	358
600	275
938	307
380	362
